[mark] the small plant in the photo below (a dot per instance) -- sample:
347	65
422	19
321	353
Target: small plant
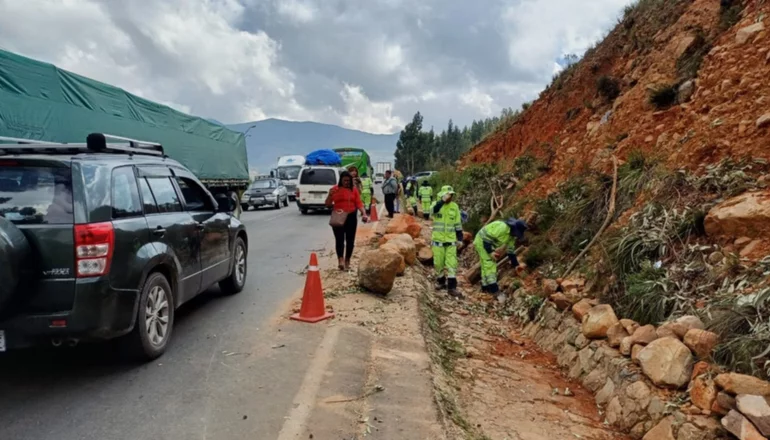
663	96
688	65
540	252
525	106
572	113
647	298
608	87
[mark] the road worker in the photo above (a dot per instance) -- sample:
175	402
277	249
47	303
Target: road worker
491	237
367	191
411	194
426	196
446	237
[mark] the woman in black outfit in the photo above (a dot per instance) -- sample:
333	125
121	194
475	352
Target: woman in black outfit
345	197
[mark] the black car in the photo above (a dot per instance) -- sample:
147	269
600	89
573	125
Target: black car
99	241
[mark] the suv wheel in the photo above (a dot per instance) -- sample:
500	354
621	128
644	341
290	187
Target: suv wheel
286	201
237	280
154	319
277	203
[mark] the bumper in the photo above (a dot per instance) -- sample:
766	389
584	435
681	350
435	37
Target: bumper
310	204
256	203
99	313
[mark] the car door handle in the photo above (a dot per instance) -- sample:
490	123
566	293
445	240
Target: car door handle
159	231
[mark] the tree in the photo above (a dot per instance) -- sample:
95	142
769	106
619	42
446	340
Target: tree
408	145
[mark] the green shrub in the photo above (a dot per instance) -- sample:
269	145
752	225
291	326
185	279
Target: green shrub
539	252
647	298
608	87
688	64
729	13
663	96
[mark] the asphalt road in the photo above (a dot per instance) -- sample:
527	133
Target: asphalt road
231	372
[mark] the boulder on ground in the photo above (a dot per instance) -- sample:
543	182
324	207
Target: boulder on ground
561	301
736	384
703	392
425	255
665	331
415	229
701	342
662	431
405	246
419	244
598	321
644	335
399	224
394	250
550	287
667	362
757	410
377	270
724	404
630	325
744	34
616	334
581	308
467	237
682	325
747	215
573	283
635	350
626	346
739	426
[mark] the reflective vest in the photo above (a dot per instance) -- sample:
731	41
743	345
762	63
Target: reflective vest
497	234
426	193
366	185
446	223
410	188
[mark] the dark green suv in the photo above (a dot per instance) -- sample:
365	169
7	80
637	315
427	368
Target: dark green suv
102	240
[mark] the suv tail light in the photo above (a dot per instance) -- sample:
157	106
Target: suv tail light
297	192
94	244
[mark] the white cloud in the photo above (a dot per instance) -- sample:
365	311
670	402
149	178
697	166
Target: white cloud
365	115
297	11
478	100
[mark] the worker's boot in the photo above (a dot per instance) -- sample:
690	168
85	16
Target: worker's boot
452	289
426	216
441	283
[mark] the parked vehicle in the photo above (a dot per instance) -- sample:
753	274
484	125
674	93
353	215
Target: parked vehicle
381	167
215	154
379	178
105	240
314	184
356	157
287	171
424	175
265	192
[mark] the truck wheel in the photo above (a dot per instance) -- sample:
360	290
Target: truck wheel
14	253
237	280
154	320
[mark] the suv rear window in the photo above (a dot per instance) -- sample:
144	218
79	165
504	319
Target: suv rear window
322	176
36	195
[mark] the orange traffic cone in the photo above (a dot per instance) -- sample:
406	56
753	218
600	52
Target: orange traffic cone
313	308
373	215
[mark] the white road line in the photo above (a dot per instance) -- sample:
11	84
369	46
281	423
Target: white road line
304	401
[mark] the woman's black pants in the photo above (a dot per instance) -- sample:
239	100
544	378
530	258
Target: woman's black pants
345	236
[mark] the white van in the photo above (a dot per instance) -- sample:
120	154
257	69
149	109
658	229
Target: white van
315	181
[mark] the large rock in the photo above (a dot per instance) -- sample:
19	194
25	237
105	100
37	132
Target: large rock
686	323
581	309
724	404
399	224
703	392
662	431
747	215
756	409
616	334
573	283
377	270
394	250
741	427
744	34
561	301
644	335
405	246
549	287
685	91
425	255
598	321
763	121
736	384
667	362
630	325
414	230
701	342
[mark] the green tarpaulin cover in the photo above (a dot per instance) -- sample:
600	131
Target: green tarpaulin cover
42	102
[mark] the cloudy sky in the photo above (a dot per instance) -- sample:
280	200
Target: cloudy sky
363	64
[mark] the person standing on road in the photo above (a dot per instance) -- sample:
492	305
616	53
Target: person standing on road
390	191
367	191
344	198
447	235
426	196
411	194
494	236
399	191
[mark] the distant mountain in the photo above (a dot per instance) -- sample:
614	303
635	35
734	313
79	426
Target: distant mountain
272	138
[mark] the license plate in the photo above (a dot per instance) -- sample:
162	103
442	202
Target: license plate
2	341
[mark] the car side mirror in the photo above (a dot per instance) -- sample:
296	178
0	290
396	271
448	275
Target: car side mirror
224	203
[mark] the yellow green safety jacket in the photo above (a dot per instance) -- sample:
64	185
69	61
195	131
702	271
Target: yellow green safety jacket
447	223
426	193
366	187
496	235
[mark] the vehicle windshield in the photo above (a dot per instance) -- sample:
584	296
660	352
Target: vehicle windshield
319	176
263	184
36	195
289	173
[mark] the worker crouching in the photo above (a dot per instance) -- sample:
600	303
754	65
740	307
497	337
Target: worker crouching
496	235
446	236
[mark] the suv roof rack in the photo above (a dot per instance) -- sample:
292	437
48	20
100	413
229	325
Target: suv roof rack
95	143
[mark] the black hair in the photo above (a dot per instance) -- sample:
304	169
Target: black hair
425	183
343	175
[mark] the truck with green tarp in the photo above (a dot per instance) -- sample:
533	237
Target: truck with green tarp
39	101
356	157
